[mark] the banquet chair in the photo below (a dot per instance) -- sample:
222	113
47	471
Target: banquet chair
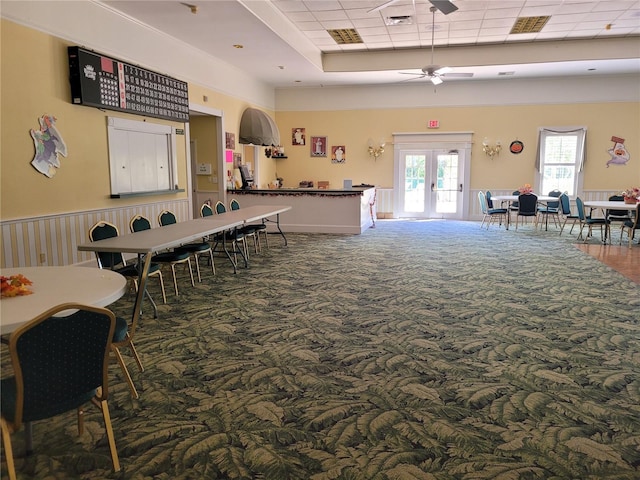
551	209
253	229
60	363
630	226
235	236
588	221
514	205
620	216
196	249
490	213
117	262
527	207
565	208
173	257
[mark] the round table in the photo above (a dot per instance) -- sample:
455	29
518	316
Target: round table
55	285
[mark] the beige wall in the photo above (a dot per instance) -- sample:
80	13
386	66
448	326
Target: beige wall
353	128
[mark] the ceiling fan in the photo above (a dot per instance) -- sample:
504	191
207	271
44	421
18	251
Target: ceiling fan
435	72
445	6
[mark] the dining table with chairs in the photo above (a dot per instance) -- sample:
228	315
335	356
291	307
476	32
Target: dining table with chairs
509	200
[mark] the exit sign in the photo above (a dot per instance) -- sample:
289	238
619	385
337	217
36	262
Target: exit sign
434	123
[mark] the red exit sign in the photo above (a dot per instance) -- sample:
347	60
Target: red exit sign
434	123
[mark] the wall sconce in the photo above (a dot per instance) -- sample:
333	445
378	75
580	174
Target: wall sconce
491	151
374	151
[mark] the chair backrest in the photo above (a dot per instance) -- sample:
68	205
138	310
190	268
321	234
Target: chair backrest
527	203
59	362
554	193
483	202
617	213
206	210
489	201
100	231
636	219
515	192
220	208
580	207
234	205
565	205
166	218
138	223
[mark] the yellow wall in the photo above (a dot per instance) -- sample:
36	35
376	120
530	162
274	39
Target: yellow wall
204	133
353	128
34	82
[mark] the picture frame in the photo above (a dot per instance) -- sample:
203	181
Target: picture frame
230	140
338	154
318	146
298	136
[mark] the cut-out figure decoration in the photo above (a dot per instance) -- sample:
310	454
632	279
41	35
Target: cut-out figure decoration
298	136
48	144
619	154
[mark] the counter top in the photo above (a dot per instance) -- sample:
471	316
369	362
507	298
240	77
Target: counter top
356	190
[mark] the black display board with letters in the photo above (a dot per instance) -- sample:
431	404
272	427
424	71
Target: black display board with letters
104	82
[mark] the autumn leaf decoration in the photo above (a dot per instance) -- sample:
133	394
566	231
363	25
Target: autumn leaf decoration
15	285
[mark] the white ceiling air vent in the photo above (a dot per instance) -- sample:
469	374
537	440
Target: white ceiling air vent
399	20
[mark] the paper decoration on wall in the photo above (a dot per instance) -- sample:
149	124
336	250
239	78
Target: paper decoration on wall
619	154
298	136
318	146
48	144
338	154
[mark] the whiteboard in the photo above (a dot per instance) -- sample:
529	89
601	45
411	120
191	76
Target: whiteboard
142	156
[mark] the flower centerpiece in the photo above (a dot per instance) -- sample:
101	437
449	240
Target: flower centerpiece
631	195
526	188
15	285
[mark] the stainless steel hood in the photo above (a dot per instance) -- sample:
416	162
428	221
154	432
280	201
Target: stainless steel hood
258	128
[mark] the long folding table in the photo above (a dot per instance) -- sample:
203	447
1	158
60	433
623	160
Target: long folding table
257	213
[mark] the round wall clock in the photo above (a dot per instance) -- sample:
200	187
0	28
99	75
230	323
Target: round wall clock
516	147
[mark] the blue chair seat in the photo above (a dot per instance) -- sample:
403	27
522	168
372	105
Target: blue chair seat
166	257
493	211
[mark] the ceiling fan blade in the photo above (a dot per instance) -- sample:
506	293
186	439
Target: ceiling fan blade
445	6
436	80
459	75
442	70
383	6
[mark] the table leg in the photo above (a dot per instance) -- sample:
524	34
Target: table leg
277	222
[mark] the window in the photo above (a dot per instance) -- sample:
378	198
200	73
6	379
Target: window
560	160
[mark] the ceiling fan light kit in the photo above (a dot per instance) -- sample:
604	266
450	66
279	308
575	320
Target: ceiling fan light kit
435	72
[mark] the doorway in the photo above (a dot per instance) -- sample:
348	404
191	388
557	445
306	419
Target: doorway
431	175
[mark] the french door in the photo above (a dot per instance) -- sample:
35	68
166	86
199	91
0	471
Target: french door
431	184
431	175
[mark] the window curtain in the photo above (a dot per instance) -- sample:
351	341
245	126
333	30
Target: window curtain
581	147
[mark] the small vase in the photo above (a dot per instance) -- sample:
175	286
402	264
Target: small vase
630	200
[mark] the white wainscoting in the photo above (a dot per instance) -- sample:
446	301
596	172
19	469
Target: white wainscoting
56	237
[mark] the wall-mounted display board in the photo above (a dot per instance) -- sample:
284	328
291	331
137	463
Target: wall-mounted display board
103	82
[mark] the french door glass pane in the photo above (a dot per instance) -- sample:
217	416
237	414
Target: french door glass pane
414	183
447	183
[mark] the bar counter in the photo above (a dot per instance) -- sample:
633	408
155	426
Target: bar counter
317	210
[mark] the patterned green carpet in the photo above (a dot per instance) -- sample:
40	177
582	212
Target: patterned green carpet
418	350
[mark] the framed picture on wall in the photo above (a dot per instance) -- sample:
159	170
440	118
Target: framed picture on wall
318	146
237	160
298	137
230	140
338	154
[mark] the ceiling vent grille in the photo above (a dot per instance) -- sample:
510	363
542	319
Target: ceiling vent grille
345	36
529	24
399	20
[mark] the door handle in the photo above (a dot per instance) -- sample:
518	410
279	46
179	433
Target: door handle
433	187
460	188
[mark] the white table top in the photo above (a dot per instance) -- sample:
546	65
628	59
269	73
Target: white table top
253	213
55	285
160	238
514	198
610	205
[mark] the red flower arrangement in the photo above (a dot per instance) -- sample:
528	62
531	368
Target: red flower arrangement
14	286
526	188
631	195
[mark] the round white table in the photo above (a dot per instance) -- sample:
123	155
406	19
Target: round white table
55	285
